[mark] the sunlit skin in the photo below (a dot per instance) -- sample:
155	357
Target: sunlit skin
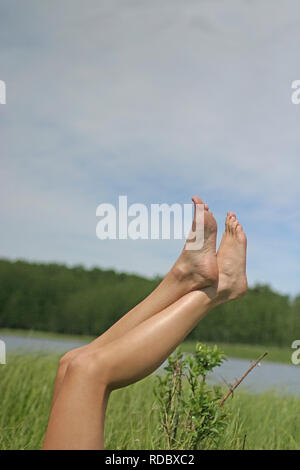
192	270
142	339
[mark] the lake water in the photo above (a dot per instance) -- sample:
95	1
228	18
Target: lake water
268	375
38	344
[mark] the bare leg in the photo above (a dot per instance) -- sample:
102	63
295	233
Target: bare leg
77	417
193	270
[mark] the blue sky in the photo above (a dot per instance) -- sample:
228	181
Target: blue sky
158	101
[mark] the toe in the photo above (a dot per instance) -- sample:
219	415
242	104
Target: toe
197	200
234	226
240	234
227	224
230	223
197	205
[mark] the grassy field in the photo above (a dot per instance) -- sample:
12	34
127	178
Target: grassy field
268	421
242	351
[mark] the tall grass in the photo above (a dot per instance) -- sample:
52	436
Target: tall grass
26	384
257	421
268	421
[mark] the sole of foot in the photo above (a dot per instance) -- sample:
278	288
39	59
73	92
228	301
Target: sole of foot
231	259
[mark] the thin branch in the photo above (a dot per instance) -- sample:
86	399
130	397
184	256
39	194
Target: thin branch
254	364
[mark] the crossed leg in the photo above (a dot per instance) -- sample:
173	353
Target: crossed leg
77	416
193	270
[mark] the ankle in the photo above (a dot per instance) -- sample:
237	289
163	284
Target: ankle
182	275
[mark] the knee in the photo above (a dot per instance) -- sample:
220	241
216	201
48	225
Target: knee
66	359
92	366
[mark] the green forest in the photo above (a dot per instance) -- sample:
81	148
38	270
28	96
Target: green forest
74	300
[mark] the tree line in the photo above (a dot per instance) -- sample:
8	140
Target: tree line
74	300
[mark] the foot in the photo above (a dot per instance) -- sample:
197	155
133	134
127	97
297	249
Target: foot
198	267
231	258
